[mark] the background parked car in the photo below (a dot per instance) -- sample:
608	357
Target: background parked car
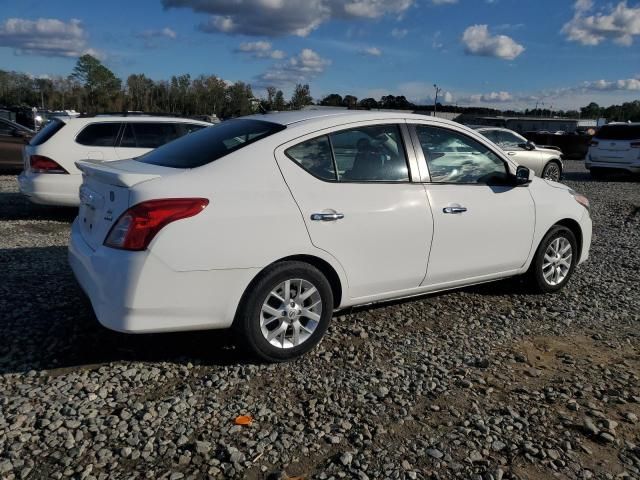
13	138
545	162
615	146
50	176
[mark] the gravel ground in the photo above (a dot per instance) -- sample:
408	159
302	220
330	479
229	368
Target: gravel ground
483	383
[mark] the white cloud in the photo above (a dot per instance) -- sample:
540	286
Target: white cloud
479	41
165	32
299	69
628	84
372	51
261	49
399	32
284	17
45	36
444	2
493	97
621	24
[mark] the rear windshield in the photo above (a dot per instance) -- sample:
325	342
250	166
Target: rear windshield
209	144
619	132
47	132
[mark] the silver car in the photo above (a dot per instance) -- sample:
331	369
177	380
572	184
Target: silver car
544	161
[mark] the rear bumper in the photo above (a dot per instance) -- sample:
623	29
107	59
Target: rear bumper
51	188
135	292
632	167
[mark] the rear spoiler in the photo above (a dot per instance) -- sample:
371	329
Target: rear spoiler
109	173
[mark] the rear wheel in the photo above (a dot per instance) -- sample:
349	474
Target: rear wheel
552	171
286	311
555	260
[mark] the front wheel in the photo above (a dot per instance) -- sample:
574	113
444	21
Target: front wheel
552	171
555	260
286	312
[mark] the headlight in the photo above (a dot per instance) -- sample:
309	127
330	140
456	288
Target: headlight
581	199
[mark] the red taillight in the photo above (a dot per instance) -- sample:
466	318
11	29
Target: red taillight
593	143
136	227
42	164
635	144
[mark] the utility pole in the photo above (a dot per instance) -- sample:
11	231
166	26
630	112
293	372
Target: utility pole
435	101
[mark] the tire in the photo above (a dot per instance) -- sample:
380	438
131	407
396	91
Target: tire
263	312
541	278
552	171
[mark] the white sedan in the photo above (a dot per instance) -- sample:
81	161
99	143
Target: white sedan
272	222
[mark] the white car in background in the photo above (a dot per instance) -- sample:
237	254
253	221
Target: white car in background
50	176
545	161
271	222
615	146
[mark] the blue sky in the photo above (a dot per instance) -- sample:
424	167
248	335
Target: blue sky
500	53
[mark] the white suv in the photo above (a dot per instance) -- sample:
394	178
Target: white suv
615	147
50	176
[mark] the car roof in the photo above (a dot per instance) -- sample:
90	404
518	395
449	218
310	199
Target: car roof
318	115
126	118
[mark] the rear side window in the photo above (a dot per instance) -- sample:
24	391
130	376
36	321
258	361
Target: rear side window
50	129
148	135
364	154
210	144
99	135
619	132
315	157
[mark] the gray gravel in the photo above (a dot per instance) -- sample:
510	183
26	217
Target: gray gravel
484	383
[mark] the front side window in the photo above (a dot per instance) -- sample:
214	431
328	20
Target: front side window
99	134
364	154
455	158
510	140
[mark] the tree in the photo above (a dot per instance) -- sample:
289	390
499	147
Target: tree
349	101
301	97
332	100
368	103
100	84
591	111
239	97
278	101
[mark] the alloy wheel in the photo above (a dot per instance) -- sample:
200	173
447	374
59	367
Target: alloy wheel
557	261
552	172
291	313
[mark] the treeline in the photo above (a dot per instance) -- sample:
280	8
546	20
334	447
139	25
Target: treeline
92	87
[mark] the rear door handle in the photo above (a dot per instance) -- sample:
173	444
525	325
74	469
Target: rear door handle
454	209
327	217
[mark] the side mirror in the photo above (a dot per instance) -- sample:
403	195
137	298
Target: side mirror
528	146
522	175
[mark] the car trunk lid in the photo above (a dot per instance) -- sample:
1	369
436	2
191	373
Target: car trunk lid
106	191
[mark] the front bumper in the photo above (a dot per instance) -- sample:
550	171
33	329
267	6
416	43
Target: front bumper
586	226
135	292
51	188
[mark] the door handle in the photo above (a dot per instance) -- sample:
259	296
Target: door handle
327	217
511	153
454	209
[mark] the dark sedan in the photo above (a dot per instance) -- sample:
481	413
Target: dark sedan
12	138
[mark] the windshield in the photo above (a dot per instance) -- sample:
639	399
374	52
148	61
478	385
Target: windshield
211	143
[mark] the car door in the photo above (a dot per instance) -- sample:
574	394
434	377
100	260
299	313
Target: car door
355	192
98	140
11	145
512	144
483	226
